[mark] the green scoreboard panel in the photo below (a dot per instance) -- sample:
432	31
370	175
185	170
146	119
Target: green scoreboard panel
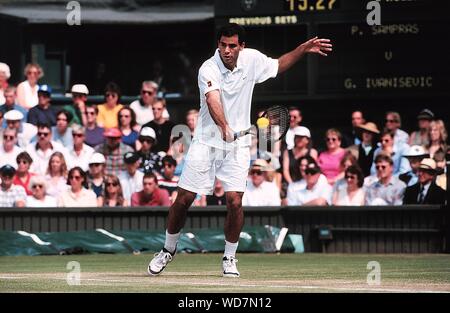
406	54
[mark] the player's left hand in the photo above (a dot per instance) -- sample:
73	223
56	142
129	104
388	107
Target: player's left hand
316	45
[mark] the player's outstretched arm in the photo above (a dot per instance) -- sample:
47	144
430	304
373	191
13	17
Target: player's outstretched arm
314	45
216	110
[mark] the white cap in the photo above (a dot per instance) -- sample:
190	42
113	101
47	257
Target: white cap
415	151
5	69
302	131
13	115
97	158
80	88
148	132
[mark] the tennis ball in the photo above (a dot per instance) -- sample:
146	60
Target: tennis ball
262	122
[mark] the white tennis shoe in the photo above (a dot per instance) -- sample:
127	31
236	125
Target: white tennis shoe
229	267
159	262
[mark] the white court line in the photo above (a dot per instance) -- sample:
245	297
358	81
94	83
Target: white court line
234	285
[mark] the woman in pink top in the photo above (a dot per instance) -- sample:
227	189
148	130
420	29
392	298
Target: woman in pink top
329	160
27	96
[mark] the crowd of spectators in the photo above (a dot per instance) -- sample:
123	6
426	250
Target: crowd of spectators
118	154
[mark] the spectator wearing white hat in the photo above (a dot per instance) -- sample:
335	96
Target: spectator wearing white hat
79	154
415	155
10	104
97	173
131	178
9	150
150	161
143	106
79	94
27	91
5	74
421	136
425	191
260	192
25	131
302	140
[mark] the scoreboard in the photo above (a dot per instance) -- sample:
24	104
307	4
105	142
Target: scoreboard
405	55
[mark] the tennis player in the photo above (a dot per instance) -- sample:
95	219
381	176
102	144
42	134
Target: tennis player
226	83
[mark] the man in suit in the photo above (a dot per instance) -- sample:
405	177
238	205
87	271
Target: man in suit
425	191
415	155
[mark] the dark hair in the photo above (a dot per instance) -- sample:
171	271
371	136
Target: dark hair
297	173
230	30
43	125
132	113
169	159
150	175
68	115
383	157
82	173
293	108
387	132
24	156
113	87
355	169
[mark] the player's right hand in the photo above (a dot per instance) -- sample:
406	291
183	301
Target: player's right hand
227	134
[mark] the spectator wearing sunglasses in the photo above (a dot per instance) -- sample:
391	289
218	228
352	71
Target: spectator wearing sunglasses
112	193
77	195
97	173
314	192
329	161
143	106
39	197
79	153
350	193
41	150
150	161
131	177
393	122
108	111
10	195
8	149
387	189
260	192
23	176
94	133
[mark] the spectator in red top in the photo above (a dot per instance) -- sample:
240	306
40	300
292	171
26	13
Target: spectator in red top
151	195
23	175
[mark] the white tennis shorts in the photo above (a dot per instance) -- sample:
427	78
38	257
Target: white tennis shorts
203	164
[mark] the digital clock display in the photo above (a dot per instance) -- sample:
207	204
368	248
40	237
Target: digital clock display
310	5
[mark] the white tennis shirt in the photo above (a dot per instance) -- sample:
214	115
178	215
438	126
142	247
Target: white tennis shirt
236	90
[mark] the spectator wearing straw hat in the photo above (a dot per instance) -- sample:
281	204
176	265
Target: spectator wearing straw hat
425	191
368	134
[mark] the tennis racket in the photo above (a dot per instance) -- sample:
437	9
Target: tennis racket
272	125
